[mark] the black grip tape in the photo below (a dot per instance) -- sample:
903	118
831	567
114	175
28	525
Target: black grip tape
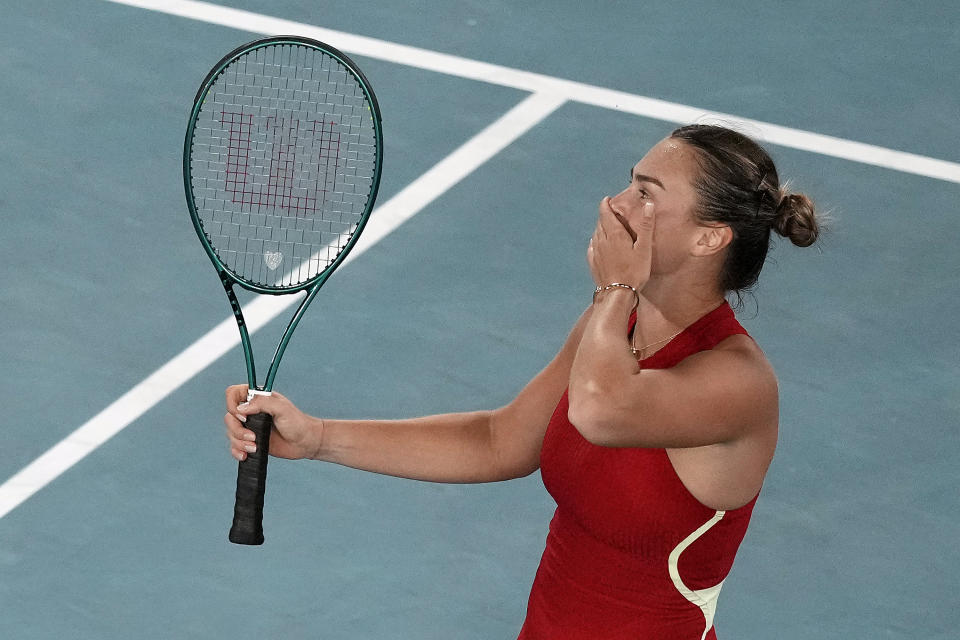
251	482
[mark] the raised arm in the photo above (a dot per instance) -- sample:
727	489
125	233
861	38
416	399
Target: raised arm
713	397
481	446
720	396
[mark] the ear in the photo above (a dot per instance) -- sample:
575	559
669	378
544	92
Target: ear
712	239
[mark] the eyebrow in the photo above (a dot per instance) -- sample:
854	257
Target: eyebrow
643	178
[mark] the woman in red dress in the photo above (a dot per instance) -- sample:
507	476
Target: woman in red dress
654	425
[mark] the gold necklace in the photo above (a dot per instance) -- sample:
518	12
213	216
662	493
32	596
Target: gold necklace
637	352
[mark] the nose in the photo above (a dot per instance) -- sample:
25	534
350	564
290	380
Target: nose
616	200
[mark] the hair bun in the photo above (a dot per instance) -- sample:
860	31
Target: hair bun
795	218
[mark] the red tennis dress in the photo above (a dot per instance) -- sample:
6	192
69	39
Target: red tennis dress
630	552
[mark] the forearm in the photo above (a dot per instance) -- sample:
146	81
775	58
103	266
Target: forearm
482	446
604	356
452	448
602	368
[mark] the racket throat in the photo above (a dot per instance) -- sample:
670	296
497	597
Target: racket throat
252	393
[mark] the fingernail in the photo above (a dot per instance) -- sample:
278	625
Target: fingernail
250	448
239	455
242	405
241	417
249	436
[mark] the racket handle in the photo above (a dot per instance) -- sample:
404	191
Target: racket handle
251	482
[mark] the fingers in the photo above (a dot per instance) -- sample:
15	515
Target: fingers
242	441
258	403
647	216
235	395
592	264
626	225
239	438
644	226
610	222
622	243
612	229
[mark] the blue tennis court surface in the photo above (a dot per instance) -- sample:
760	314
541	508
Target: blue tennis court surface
855	533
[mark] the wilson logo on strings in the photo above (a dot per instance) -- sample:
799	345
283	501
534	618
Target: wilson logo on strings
272	259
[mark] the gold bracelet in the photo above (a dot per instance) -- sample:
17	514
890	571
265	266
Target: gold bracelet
617	285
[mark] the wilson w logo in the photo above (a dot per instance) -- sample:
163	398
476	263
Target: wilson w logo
280	164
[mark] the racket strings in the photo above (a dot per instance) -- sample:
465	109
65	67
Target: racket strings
282	163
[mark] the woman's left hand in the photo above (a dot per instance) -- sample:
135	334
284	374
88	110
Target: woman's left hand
621	250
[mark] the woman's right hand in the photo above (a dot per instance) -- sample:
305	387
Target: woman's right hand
295	435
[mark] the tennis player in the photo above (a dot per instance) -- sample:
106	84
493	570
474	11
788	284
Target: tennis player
654	425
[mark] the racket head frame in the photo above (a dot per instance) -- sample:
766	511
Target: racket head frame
228	277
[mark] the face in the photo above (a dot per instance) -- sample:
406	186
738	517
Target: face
665	176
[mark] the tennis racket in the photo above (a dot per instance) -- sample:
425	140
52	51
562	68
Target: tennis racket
281	166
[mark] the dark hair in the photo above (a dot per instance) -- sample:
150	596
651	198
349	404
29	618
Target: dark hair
738	186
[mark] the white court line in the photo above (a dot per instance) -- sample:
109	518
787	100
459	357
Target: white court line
168	378
572	91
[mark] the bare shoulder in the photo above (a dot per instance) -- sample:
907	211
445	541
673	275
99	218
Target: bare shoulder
749	375
741	463
744	344
748	355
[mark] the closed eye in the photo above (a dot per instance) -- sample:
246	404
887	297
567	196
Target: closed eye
634	179
639	177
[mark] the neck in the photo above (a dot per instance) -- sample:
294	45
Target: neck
668	304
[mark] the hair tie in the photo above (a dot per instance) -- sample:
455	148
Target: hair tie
761	193
760	184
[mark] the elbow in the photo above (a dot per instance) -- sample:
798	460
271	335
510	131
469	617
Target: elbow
591	416
511	458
